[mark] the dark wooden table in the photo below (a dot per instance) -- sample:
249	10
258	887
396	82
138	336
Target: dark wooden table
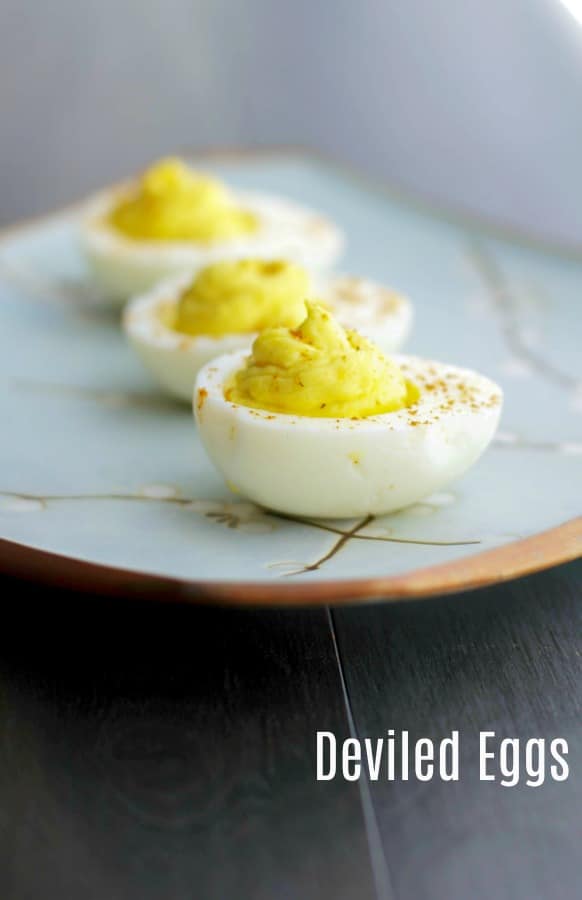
165	751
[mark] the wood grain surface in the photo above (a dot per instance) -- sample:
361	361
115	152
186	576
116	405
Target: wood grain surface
155	750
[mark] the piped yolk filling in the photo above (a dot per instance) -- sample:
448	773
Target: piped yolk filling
320	369
243	296
170	202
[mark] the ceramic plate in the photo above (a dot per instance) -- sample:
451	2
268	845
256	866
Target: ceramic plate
103	481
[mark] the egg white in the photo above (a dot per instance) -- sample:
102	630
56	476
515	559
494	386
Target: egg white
174	358
123	266
343	468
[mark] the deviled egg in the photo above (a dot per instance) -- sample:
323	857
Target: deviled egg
183	323
317	422
173	219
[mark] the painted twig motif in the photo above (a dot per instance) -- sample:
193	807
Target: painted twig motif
339	543
113	399
241	515
503	299
507	440
356	535
45	499
353	534
74	295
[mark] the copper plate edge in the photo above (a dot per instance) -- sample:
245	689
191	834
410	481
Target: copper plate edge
541	551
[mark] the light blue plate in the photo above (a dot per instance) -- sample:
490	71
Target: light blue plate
96	465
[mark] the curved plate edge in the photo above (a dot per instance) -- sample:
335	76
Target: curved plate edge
524	557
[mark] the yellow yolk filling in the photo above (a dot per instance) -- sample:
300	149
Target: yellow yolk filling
242	296
172	203
320	369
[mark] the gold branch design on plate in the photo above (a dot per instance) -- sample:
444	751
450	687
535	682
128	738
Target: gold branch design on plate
502	296
111	398
72	294
241	515
509	440
351	534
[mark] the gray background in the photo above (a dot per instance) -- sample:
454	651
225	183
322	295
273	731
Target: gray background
474	102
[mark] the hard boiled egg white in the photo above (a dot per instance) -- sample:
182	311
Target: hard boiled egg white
124	266
174	359
326	468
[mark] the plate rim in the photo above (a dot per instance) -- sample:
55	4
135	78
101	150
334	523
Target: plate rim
489	567
548	548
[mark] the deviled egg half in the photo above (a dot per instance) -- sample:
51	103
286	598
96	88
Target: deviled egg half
317	422
174	219
183	323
